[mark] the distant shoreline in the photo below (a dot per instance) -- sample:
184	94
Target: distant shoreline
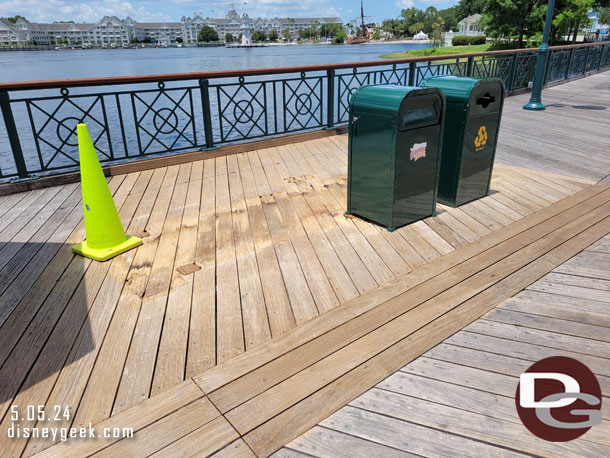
202	45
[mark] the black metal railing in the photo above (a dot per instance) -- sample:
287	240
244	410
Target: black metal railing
139	116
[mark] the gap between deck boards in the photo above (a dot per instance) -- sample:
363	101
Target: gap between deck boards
260	400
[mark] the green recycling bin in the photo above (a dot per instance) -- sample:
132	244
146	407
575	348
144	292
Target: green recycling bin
474	109
395	136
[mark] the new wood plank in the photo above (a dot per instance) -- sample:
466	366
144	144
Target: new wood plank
278	202
53	356
201	352
138	370
228	397
25	300
260	438
254	313
98	397
164	431
333	267
75	372
229	337
219	376
138	417
171	356
237	449
204	441
279	310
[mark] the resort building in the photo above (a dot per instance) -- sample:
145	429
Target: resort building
112	31
470	26
232	23
10	34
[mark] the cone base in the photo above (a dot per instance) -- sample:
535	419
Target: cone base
107	253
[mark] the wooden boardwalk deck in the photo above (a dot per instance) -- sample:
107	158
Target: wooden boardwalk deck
457	399
250	287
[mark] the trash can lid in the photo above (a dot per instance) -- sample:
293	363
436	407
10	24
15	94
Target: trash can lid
385	99
458	89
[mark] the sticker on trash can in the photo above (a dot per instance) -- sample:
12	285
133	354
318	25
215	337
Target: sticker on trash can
418	150
481	138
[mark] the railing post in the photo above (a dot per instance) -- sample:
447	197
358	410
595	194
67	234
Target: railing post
412	70
584	68
330	84
469	66
204	86
13	136
569	63
601	56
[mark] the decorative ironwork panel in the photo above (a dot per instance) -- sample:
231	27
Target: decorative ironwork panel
593	58
346	85
140	119
396	75
493	67
577	64
605	59
558	65
302	107
524	70
53	122
242	110
164	119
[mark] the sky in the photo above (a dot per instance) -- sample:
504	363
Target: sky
173	10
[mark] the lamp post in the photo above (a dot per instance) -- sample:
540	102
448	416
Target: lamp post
535	102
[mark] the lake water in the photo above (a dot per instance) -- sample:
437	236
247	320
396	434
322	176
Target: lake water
43	65
131	129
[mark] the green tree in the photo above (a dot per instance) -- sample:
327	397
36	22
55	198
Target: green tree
509	19
207	34
286	34
604	15
449	15
15	18
340	38
330	30
416	28
438	27
391	26
179	40
467	8
376	34
258	35
273	35
228	37
571	16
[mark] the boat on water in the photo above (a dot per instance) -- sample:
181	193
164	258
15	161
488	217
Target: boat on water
362	36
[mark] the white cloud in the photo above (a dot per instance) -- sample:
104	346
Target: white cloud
160	10
405	4
68	10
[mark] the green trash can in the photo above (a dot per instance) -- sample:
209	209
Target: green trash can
395	136
474	109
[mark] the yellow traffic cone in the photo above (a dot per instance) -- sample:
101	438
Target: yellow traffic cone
105	235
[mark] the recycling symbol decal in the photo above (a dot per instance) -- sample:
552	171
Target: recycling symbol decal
481	138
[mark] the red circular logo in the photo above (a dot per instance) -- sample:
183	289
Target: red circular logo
558	399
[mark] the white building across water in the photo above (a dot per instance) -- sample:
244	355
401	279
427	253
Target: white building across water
112	31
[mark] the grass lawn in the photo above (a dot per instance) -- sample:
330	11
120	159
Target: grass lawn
438	51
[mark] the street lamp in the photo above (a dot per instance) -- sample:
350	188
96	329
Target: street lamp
535	102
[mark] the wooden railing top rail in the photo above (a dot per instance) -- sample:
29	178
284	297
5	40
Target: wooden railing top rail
114	80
